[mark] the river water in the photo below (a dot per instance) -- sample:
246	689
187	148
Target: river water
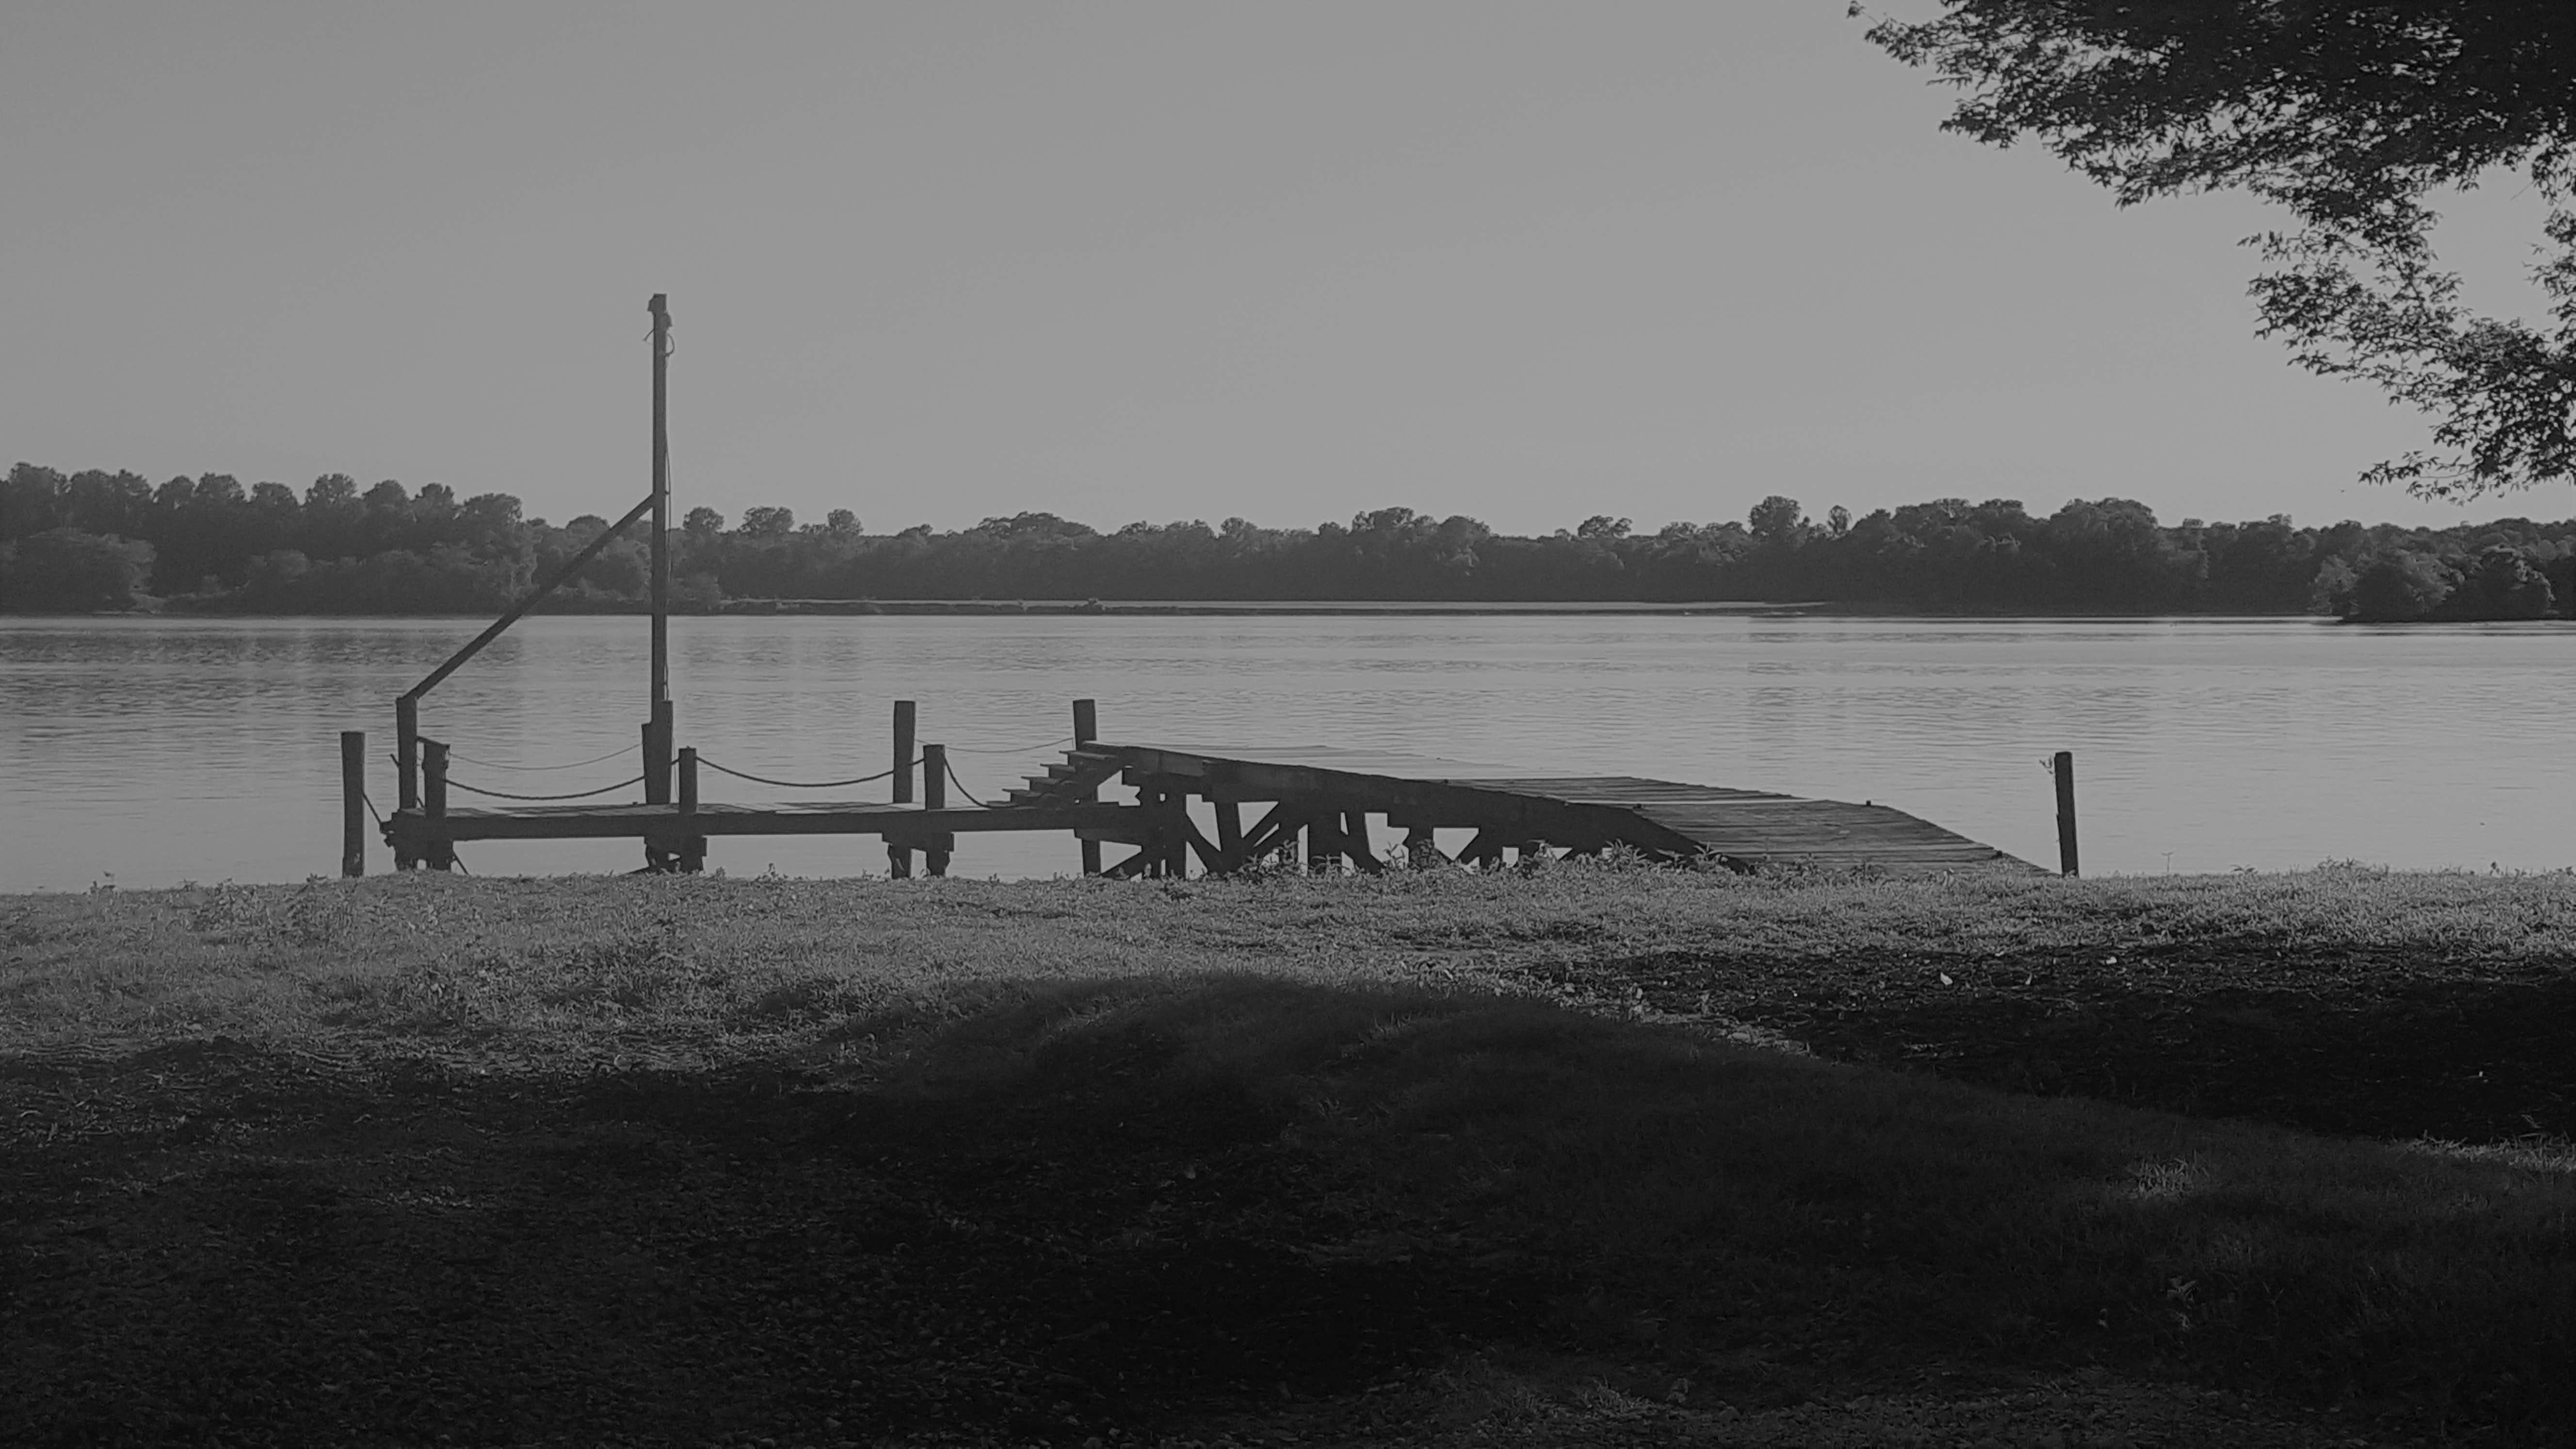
144	752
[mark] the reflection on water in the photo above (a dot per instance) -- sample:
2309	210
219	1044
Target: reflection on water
152	751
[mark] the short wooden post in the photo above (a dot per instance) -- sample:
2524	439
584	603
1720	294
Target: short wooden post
406	753
1086	728
1323	842
1356	843
1229	833
693	846
657	755
899	857
903	722
2063	767
934	796
1422	848
1176	831
353	802
657	777
433	804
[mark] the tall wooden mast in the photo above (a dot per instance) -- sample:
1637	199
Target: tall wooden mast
658	728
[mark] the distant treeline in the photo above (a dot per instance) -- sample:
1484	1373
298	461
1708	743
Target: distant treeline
97	540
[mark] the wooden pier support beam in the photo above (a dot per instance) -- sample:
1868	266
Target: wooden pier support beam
2062	765
406	769
693	846
407	753
1422	848
934	796
1355	843
353	802
905	716
1155	855
899	857
1229	835
657	776
1086	728
441	852
1323	843
1179	834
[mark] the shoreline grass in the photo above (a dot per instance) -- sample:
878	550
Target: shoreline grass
1456	1120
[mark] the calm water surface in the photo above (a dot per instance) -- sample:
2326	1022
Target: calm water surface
148	752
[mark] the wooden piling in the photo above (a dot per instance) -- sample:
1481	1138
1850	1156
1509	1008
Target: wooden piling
1324	843
2062	765
433	802
353	802
1229	834
693	846
1086	728
1356	845
904	717
657	777
899	857
934	796
1178	832
407	753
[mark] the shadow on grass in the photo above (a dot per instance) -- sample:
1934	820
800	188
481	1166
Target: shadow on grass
1037	1232
1123	1203
2339	1041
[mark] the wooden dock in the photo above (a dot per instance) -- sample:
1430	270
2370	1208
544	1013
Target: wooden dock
1322	806
1322	803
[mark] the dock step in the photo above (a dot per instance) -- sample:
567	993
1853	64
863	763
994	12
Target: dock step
1078	776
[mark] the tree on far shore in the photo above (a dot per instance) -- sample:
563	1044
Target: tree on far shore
68	571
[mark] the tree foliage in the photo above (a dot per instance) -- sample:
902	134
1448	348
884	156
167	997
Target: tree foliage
103	541
2356	117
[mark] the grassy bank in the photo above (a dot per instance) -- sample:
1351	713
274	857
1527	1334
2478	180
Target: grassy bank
667	1160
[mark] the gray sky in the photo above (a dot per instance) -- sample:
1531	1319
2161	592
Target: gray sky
1118	261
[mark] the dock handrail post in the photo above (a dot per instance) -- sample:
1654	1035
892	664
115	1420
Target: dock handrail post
433	803
657	775
899	857
693	846
407	752
934	796
657	755
1086	728
353	802
905	714
2062	765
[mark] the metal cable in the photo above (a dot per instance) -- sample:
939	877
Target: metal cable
372	810
579	795
884	774
575	765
